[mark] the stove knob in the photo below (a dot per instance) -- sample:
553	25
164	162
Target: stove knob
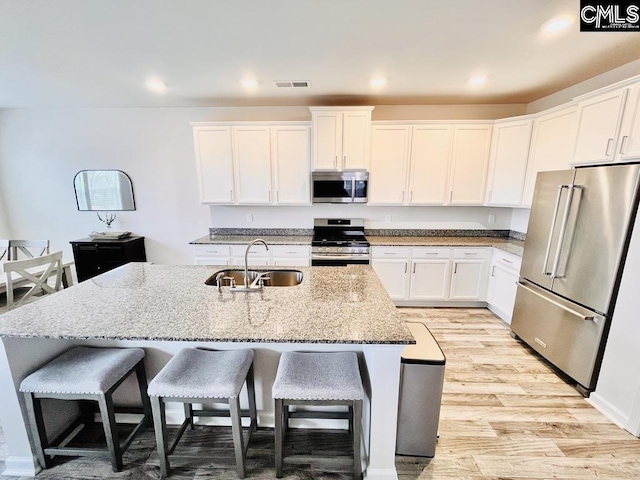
340	249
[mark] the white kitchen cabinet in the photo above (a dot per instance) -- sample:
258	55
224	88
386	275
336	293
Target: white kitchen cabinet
252	158
469	159
341	137
628	145
259	256
552	143
430	279
599	119
211	254
391	264
508	162
290	255
214	161
429	166
503	278
469	274
389	161
291	164
253	163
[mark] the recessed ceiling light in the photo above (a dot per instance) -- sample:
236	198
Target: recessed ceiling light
378	82
249	83
477	80
156	85
556	24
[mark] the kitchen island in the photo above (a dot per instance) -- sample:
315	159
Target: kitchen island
164	308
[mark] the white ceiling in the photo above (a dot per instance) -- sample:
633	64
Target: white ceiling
98	53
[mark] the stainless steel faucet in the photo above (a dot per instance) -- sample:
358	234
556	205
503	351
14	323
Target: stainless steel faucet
246	263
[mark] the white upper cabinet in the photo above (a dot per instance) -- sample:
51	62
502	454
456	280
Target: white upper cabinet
628	145
389	159
253	163
252	158
341	137
291	161
552	142
214	162
469	160
429	168
599	120
508	162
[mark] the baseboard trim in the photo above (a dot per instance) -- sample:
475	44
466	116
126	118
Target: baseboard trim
608	410
20	467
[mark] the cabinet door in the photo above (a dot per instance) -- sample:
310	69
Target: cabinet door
356	139
553	139
211	260
393	275
501	295
252	154
467	280
628	147
598	125
469	164
291	151
389	158
429	164
430	280
214	164
327	140
508	164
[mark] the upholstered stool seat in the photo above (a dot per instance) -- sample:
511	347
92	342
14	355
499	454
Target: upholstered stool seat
85	373
197	375
316	378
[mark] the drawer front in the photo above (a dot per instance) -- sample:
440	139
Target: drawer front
471	253
390	252
211	250
430	252
290	250
257	250
507	260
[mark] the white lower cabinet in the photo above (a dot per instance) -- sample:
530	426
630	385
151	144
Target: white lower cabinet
435	275
503	278
277	255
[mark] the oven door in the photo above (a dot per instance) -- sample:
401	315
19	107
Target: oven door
338	261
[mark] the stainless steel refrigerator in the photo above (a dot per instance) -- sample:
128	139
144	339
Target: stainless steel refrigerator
579	230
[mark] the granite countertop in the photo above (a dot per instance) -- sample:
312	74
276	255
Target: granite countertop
509	245
143	301
245	239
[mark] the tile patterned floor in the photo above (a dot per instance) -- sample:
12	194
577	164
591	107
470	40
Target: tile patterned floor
505	414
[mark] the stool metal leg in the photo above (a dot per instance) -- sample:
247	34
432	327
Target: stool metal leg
38	435
188	414
357	434
105	403
238	441
160	427
141	375
278	435
251	392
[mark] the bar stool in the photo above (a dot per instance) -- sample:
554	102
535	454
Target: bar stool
84	373
318	379
196	375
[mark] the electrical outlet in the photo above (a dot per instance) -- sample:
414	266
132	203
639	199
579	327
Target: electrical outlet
387	218
249	217
492	219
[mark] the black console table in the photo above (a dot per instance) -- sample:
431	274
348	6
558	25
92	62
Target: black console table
93	257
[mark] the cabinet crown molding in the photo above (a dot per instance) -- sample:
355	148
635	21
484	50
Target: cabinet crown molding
364	108
614	86
250	123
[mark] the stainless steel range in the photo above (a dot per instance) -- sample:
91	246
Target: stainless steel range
339	242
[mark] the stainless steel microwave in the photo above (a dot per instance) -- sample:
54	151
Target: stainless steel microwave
340	187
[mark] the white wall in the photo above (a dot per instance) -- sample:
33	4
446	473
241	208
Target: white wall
520	219
42	149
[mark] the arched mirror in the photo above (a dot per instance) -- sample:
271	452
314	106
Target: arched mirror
103	190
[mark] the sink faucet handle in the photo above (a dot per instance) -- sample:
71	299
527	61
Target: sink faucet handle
232	281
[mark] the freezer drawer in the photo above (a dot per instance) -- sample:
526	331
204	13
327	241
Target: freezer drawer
566	334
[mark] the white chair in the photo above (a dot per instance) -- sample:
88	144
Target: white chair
29	248
34	272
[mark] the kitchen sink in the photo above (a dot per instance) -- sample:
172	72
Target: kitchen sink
276	278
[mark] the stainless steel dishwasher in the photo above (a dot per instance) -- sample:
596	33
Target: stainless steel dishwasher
421	380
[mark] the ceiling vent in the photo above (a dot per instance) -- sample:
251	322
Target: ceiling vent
292	83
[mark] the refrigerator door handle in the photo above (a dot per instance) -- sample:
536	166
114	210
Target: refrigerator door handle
547	252
559	305
563	229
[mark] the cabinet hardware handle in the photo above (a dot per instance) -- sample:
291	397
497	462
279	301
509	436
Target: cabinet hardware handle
623	144
269	195
231	195
493	271
344	161
414	268
455	268
490	194
405	267
335	162
431	253
471	253
606	152
507	261
411	196
389	253
402	196
450	196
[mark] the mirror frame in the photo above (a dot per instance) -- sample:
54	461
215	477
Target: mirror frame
121	175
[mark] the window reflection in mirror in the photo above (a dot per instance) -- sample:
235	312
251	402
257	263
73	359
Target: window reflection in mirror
103	190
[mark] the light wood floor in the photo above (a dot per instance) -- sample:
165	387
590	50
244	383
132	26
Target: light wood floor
505	415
